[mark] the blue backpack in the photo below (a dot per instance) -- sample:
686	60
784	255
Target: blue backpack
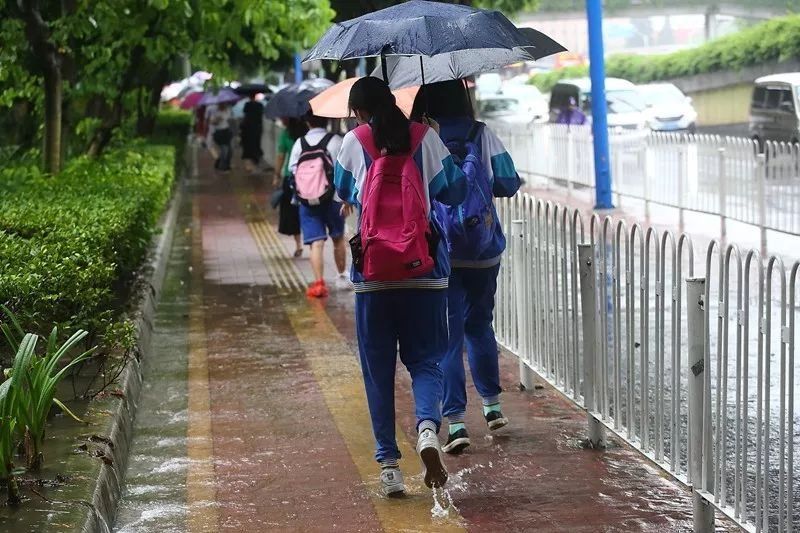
470	226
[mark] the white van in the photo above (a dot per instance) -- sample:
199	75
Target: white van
774	108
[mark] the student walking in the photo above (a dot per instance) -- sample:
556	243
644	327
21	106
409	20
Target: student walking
389	170
288	212
220	132
311	164
251	129
476	243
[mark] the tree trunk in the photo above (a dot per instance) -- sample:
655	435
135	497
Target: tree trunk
104	133
52	120
37	31
146	123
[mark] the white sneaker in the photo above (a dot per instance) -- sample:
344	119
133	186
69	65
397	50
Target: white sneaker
392	482
343	282
430	452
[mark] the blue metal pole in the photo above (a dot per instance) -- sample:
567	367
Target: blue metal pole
597	71
298	68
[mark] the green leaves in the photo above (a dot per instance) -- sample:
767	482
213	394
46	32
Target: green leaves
29	392
69	242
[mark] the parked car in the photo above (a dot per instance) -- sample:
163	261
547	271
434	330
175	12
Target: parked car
626	108
515	104
668	109
774	109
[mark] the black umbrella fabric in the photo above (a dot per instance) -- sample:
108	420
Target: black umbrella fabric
418	28
292	101
252	88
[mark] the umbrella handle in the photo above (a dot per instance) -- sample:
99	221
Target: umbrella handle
384	68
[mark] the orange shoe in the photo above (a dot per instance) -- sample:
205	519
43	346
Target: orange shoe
318	289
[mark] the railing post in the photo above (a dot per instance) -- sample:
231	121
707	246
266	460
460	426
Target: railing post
761	176
523	352
646	175
683	176
723	195
703	512
597	431
570	160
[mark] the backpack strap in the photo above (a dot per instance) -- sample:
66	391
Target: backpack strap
304	146
364	135
323	143
475	131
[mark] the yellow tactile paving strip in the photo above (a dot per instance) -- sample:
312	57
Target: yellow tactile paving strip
200	482
279	265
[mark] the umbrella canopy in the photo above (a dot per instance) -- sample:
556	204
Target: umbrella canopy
332	102
226	95
191	100
252	88
421	28
404	71
292	101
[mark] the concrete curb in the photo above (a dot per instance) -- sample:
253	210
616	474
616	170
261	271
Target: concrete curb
102	508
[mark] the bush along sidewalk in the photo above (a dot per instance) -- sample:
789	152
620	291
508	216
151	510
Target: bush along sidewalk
72	247
71	244
771	41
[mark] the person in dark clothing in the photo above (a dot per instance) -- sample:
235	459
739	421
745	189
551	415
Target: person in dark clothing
251	128
289	213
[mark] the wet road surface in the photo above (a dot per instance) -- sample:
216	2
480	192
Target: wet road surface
253	416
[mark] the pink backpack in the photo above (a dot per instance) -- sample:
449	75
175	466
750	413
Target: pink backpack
313	177
394	215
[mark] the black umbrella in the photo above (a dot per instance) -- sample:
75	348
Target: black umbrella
253	88
419	28
292	100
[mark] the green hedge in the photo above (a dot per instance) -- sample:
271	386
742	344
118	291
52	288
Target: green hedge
69	244
775	40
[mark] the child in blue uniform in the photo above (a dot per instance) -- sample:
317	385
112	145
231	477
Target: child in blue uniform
473	280
409	313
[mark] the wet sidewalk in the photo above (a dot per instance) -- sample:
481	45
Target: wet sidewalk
253	415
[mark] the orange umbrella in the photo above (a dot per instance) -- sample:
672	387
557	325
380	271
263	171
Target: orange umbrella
332	102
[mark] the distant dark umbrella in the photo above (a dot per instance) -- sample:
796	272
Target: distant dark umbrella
252	88
226	95
419	28
292	101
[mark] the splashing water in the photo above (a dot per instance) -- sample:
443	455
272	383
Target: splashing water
442	504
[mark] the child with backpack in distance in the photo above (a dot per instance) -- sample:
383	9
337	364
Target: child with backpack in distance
391	170
476	242
311	164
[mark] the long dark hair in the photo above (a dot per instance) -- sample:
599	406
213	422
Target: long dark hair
390	127
446	99
295	127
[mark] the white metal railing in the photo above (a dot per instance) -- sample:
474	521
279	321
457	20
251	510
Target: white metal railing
703	382
726	176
